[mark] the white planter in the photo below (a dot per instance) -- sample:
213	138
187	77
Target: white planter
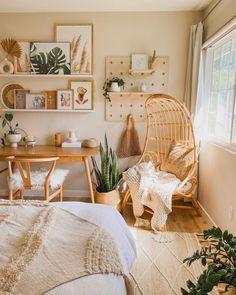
115	87
6	67
13	139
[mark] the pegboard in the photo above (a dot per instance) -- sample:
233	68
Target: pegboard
131	100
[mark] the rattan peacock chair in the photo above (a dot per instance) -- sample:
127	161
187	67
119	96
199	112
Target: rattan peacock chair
169	120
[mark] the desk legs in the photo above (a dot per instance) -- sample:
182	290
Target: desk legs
87	171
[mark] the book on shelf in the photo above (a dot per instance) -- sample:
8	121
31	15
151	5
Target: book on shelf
72	144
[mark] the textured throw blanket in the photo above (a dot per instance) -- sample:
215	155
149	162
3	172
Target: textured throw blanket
153	189
43	246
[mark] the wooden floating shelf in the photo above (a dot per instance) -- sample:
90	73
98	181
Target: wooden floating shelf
47	111
141	72
44	76
120	94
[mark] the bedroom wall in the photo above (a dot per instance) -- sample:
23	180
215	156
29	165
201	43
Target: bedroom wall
217	191
114	34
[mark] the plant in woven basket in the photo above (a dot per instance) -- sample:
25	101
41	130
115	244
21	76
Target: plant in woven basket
11	47
219	260
108	174
108	83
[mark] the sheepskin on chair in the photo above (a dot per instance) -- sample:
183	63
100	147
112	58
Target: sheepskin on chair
37	178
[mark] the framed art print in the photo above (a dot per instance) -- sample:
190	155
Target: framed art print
20	98
82	94
140	61
35	101
51	99
50	58
22	64
80	37
64	100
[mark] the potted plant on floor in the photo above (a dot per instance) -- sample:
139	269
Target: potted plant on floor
113	85
219	258
108	177
13	136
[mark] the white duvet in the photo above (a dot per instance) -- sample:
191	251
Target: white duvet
111	220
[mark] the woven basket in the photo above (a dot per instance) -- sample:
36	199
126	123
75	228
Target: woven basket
111	198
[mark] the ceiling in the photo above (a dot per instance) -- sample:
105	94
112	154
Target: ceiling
100	5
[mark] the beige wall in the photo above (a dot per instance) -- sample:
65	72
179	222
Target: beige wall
114	34
217	191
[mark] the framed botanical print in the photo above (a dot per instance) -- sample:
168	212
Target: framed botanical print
82	94
64	100
80	37
20	98
35	101
50	58
22	64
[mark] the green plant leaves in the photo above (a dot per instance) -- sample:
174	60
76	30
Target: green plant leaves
50	63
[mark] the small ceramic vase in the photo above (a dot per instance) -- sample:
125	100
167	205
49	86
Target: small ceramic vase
6	67
115	87
143	87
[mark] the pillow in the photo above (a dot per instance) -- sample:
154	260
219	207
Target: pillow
178	160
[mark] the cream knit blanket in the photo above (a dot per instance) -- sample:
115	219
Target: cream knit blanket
43	246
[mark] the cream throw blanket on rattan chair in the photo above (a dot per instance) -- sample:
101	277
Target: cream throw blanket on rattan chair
43	246
153	189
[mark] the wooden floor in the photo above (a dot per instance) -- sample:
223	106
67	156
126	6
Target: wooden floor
180	220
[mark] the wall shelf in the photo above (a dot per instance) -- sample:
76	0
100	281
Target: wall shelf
45	76
47	111
141	72
120	94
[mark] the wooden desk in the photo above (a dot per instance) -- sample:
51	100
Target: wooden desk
65	155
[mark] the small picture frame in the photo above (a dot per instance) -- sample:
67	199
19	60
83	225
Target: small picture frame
22	64
20	98
51	99
35	101
82	94
64	99
139	61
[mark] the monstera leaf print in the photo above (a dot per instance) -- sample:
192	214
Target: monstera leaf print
48	63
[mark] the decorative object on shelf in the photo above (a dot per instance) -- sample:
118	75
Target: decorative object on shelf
72	136
30	140
67	144
90	143
12	48
153	60
82	94
13	136
50	58
7	94
80	37
129	143
139	61
51	99
6	67
35	101
143	87
218	258
20	98
114	85
22	63
58	139
64	99
107	177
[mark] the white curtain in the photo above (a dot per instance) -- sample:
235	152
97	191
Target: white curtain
193	67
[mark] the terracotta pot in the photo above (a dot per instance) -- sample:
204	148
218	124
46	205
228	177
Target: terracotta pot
111	198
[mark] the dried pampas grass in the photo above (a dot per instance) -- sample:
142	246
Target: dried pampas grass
11	47
83	60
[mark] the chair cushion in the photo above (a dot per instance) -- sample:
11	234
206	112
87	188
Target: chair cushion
178	160
38	179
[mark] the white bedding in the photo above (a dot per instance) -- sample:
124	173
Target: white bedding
112	221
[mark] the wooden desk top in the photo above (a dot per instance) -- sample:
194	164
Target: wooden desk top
47	151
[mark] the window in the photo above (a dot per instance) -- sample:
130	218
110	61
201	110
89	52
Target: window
221	92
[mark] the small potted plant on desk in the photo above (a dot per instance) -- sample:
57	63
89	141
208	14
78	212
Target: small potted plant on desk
13	136
113	85
107	177
219	259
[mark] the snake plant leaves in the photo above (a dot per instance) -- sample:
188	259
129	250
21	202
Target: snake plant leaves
48	63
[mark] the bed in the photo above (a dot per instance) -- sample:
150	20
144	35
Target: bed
110	220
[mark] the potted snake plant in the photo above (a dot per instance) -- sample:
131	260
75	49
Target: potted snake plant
108	177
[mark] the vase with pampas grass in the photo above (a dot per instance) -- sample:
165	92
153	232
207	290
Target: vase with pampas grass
12	49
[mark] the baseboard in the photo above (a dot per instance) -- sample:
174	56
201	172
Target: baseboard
207	215
76	194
